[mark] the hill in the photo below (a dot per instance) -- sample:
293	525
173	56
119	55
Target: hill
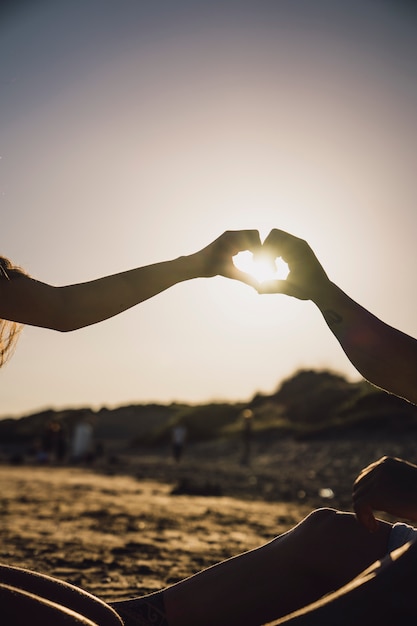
309	404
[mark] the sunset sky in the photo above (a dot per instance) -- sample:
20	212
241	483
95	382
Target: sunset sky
134	132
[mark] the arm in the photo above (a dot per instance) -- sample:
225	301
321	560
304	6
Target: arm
388	485
383	355
28	301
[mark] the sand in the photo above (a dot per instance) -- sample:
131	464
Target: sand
119	530
118	537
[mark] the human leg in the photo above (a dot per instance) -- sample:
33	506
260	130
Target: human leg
20	608
317	556
383	595
145	611
49	600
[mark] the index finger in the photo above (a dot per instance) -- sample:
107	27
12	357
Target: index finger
283	244
242	240
368	471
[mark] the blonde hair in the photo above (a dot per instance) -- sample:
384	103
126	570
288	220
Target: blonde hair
9	330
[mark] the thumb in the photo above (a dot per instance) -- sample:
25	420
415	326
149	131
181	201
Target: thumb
365	516
281	286
243	277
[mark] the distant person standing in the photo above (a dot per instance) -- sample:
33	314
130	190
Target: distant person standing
247	434
54	443
179	436
82	442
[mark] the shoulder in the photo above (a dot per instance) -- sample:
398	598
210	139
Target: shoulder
9	270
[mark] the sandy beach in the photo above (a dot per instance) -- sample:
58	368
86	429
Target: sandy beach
143	522
116	536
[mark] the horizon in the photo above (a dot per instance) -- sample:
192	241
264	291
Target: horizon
243	401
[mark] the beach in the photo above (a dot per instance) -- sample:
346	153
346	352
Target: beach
133	524
118	537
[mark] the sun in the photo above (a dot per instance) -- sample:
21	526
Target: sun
261	269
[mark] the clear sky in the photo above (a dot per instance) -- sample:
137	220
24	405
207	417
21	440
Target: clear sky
133	132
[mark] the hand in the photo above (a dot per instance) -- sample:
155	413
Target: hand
306	278
217	258
388	485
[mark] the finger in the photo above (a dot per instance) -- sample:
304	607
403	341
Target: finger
368	469
243	277
363	481
365	488
283	244
254	239
241	240
273	286
275	236
285	287
365	515
218	256
371	474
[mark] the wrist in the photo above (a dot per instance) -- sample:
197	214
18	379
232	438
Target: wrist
326	295
188	267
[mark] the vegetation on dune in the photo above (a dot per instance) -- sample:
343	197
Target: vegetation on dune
309	403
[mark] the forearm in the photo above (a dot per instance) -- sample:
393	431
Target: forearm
106	297
28	301
383	355
75	306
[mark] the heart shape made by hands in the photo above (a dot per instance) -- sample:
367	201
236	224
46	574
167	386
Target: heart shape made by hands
262	269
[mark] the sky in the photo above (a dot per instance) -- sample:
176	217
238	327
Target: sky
135	132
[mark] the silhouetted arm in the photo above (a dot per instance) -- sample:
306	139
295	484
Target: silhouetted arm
382	354
28	301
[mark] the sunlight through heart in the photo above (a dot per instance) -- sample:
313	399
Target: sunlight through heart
261	269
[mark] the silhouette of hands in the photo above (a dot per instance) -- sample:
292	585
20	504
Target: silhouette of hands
306	278
217	258
388	485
